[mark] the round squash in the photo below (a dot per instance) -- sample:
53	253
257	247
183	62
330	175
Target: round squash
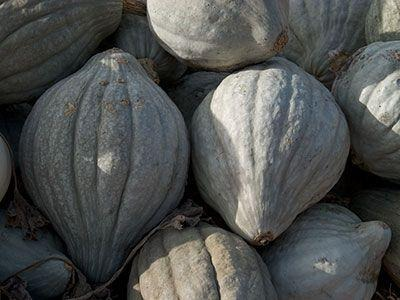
104	154
5	167
192	89
383	21
383	205
328	253
206	262
42	42
134	36
323	34
368	91
269	142
220	35
46	281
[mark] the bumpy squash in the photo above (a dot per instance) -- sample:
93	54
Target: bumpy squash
134	36
322	34
368	91
269	142
42	41
328	253
383	21
220	35
115	149
48	280
192	89
383	205
5	167
199	263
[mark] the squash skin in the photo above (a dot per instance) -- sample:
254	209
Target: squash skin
205	262
42	42
322	34
384	205
328	253
368	92
89	136
383	21
49	280
134	36
5	167
204	34
268	143
191	89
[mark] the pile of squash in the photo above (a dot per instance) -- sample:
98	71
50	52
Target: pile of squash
181	149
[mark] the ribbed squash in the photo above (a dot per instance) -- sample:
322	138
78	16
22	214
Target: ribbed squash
383	205
268	143
5	167
383	21
45	281
368	91
323	34
220	35
206	262
104	154
43	41
328	253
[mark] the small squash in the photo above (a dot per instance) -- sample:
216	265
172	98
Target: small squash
47	280
220	35
42	42
5	167
383	21
268	143
368	91
383	205
205	262
115	149
328	253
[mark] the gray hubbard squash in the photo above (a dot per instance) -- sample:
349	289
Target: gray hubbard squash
384	205
115	149
5	167
191	89
220	35
368	91
134	36
205	262
43	41
323	34
268	143
383	21
328	253
45	281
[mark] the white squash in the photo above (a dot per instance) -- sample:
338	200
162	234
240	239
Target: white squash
5	167
383	21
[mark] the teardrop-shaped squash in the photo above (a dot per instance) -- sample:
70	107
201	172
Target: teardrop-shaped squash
383	205
104	154
42	41
383	21
328	253
268	143
205	262
44	281
368	91
220	35
5	167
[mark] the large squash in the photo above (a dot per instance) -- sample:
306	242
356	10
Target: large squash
43	41
383	205
5	167
104	154
322	34
328	253
206	262
383	21
220	35
134	36
47	280
269	142
368	91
